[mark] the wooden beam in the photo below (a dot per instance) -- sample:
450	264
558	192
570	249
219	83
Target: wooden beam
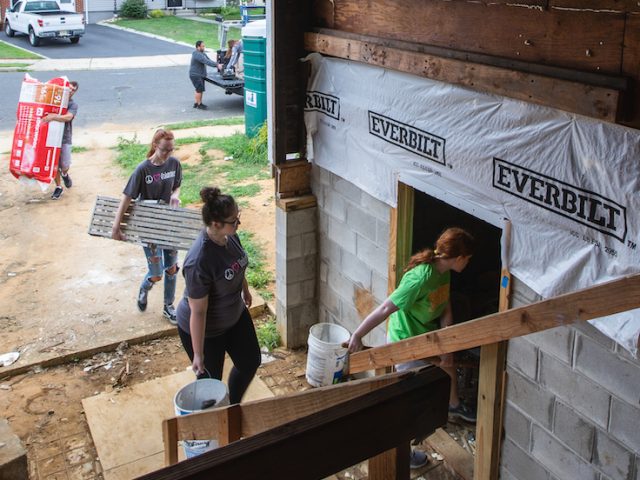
456	459
170	440
296	203
592	101
392	464
317	445
293	178
594	302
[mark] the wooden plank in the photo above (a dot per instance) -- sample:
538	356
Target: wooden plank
293	178
229	425
261	415
170	440
621	6
605	299
456	459
592	101
550	37
391	465
296	203
631	68
417	404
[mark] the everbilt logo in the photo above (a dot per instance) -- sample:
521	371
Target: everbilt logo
408	137
574	203
323	103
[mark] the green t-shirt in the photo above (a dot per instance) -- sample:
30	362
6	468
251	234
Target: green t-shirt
421	298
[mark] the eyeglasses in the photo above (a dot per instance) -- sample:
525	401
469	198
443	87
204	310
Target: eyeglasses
235	222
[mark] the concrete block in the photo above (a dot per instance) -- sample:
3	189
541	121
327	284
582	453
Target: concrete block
556	341
349	317
379	286
377	336
523	356
342	234
612	458
329	299
522	294
13	456
298	269
559	460
517	427
343	286
326	316
347	189
318	189
637	467
297	321
308	290
309	243
574	431
301	221
292	246
506	475
356	270
329	250
323	272
370	254
588	330
625	424
377	208
383	232
606	368
529	398
336	207
321	175
574	389
361	222
323	222
519	464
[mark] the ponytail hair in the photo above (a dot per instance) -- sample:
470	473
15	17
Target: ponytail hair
216	205
161	134
453	242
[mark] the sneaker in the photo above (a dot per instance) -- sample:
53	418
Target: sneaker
418	459
463	412
142	299
57	193
67	180
195	105
202	106
170	312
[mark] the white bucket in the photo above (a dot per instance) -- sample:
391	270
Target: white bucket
190	398
326	355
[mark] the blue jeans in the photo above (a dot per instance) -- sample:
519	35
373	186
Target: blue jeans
159	260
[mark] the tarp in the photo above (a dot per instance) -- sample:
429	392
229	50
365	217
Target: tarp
568	184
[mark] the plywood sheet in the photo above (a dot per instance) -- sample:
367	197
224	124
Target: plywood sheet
126	426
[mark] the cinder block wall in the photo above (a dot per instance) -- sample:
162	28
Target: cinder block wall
353	243
573	405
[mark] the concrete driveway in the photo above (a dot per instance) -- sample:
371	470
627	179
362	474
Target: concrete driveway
101	42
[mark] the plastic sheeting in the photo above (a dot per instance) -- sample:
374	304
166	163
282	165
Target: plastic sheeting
568	184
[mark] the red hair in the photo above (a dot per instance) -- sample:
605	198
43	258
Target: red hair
453	242
161	134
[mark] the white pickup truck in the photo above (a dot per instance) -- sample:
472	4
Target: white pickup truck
43	19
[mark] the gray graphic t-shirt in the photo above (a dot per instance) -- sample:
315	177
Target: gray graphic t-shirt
154	182
216	271
68	126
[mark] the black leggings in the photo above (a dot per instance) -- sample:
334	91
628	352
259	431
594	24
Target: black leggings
241	343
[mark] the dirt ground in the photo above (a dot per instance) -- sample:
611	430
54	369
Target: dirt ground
69	309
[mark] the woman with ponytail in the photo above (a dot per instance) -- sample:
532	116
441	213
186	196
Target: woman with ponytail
158	179
213	315
421	304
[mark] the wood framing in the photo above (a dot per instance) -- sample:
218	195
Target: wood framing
417	403
293	179
457	459
593	101
594	302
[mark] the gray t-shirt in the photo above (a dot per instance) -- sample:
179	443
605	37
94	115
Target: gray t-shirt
198	61
216	271
154	182
68	126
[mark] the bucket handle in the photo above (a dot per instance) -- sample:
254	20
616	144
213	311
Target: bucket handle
202	375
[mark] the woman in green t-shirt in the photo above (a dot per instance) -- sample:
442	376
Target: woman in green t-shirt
421	304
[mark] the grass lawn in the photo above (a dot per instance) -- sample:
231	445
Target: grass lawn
180	29
10	52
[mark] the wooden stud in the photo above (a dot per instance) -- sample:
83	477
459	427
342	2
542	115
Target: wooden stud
296	203
170	440
392	464
593	101
601	300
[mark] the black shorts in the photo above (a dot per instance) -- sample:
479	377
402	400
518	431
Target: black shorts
198	83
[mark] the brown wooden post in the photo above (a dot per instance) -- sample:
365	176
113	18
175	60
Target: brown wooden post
170	439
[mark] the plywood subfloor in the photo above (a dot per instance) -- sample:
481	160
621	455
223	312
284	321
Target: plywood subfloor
126	425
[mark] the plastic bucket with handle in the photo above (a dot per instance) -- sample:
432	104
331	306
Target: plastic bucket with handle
195	397
326	355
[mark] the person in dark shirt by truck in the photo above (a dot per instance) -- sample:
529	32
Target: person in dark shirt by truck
198	72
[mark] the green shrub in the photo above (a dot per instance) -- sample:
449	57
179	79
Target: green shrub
230	12
156	14
268	335
133	9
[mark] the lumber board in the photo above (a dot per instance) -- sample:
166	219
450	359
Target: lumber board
261	415
558	37
593	101
296	203
601	300
456	459
392	464
631	68
325	442
146	223
622	6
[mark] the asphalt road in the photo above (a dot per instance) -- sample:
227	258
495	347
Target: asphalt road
102	42
149	95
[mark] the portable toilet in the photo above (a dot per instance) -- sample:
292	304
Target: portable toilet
254	49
